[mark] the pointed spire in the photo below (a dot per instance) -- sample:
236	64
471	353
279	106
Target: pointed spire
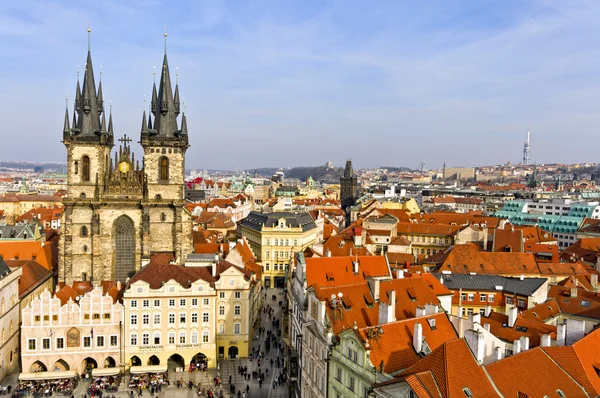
183	125
90	109
154	101
144	125
99	99
149	120
66	128
176	99
78	93
110	123
103	126
74	124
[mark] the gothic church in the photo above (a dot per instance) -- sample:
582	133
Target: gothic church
117	212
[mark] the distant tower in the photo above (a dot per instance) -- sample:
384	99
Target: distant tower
348	184
526	150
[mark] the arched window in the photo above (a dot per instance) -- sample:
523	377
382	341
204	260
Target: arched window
164	169
84	231
85	168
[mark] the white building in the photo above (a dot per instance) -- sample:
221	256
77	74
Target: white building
73	331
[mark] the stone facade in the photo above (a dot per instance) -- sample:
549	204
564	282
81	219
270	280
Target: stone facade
116	213
9	319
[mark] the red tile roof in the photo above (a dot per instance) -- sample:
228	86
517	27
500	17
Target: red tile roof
337	271
575	305
395	346
534	373
523	327
453	368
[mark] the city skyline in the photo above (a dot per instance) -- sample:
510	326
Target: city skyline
312	82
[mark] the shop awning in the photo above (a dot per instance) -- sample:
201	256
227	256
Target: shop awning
105	372
63	374
148	369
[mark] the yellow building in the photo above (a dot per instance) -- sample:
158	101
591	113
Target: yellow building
410	206
428	239
274	239
182	315
14	205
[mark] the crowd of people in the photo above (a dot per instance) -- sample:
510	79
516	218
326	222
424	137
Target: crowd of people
153	382
104	384
45	388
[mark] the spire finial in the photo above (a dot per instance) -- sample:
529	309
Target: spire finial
154	72
89	35
67	99
77	72
165	40
100	73
176	74
110	107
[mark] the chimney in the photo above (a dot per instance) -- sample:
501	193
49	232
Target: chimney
485	238
524	343
475	340
399	273
355	267
459	311
119	285
387	311
357	240
421	311
594	281
418	337
522	277
476	318
516	347
431	309
486	326
375	288
573	292
512	316
561	334
488	310
327	253
545	340
57	289
497	354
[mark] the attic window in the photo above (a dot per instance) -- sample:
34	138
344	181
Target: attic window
329	276
467	392
431	322
560	393
521	329
585	303
411	294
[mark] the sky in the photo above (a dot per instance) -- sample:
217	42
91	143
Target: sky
283	83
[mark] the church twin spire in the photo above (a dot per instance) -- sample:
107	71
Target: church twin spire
89	116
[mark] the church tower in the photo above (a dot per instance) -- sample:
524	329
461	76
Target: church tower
165	141
116	212
348	187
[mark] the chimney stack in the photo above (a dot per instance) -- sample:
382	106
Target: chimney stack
488	310
524	343
545	340
418	337
573	292
327	253
497	354
431	309
476	318
486	326
594	281
387	311
119	285
475	340
512	316
421	311
399	273
561	334
516	347
355	267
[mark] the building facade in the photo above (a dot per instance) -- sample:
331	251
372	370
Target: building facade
348	186
69	331
275	238
9	318
194	314
116	213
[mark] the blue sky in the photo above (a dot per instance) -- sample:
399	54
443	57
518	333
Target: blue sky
288	83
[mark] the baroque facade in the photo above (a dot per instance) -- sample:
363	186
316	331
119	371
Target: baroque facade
116	211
